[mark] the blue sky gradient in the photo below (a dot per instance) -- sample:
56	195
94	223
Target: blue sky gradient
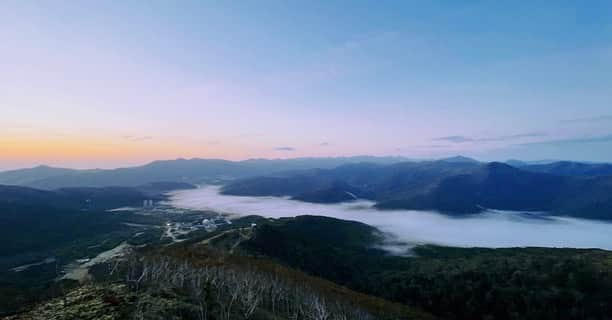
127	82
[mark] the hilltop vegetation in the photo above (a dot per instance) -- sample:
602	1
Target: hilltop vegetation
276	270
34	222
568	168
87	198
454	283
202	279
48	229
306	267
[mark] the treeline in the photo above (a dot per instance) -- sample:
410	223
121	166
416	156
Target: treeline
507	284
227	292
453	283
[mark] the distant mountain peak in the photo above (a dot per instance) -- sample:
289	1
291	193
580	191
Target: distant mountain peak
459	159
516	163
501	166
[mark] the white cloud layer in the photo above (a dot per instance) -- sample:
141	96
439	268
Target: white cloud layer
492	229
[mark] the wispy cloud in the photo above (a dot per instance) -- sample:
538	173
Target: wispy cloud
433	146
284	149
464	139
596	139
603	118
324	144
246	136
517	136
138	138
454	139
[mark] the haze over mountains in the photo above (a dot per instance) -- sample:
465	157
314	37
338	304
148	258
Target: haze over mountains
569	168
456	185
217	170
185	170
58	216
306	160
405	228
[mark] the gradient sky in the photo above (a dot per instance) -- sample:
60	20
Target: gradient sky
112	83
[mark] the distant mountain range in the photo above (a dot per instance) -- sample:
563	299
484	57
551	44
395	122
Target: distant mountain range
454	187
67	222
568	168
181	170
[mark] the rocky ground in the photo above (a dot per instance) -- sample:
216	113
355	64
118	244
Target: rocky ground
87	302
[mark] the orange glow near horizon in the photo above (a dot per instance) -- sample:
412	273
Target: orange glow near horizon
72	149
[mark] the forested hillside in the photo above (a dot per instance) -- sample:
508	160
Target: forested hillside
454	283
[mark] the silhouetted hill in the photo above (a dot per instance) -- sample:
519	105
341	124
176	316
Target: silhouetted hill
574	169
321	230
500	186
496	186
452	187
26	228
460	159
516	163
87	198
74	198
31	175
24	195
338	191
364	180
154	189
327	245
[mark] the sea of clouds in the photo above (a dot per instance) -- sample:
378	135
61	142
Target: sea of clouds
493	229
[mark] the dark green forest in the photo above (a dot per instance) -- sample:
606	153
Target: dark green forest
453	283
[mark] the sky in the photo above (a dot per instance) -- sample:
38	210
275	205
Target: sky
115	83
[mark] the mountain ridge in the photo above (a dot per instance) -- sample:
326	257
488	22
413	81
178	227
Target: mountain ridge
195	170
452	188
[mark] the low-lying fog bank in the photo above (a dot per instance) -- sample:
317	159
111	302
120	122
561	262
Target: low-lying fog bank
492	229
